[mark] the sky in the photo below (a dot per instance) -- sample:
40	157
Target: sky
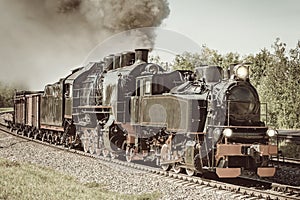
35	54
243	26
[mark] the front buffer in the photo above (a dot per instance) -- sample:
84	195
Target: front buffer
233	158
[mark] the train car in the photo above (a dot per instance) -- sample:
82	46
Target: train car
19	110
52	112
32	121
198	121
57	108
27	112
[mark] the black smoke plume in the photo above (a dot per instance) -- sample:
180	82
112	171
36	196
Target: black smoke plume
43	39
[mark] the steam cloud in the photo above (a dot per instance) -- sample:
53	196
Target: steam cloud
44	39
113	16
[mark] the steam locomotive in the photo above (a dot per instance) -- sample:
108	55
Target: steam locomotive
203	120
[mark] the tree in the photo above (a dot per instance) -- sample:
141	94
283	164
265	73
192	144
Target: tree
7	92
157	60
275	77
189	61
6	96
293	88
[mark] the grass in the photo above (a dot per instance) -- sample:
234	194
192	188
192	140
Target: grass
26	181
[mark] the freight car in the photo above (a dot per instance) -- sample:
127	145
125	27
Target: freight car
27	112
207	119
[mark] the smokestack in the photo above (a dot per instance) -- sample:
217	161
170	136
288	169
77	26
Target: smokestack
141	55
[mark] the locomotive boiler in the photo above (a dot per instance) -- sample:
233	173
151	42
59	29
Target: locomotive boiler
203	120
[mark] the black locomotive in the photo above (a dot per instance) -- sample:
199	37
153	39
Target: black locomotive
209	119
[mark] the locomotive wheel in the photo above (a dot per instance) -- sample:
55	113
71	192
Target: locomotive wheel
113	155
198	164
189	172
86	142
99	146
129	154
166	167
69	142
92	142
92	147
177	169
105	153
86	146
43	137
29	133
55	139
23	133
165	156
36	136
49	139
98	152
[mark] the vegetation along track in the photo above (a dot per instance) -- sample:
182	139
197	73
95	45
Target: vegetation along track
276	191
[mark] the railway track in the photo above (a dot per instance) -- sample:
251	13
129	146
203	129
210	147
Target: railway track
287	163
236	189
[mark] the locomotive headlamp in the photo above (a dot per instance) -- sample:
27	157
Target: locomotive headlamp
241	72
271	132
227	132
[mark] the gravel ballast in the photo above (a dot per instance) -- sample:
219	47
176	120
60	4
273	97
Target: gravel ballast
115	177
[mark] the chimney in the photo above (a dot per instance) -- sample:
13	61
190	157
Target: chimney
141	55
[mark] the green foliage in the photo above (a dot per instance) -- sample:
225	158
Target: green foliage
276	77
6	95
290	150
7	92
157	60
189	61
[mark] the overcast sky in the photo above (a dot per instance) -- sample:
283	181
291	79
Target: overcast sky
38	52
243	26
